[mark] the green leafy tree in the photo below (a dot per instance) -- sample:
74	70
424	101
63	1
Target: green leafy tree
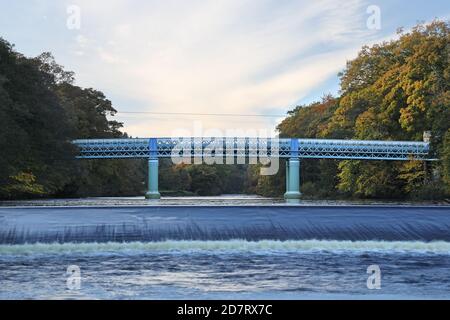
395	90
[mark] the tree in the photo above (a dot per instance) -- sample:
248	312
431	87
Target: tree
395	90
41	111
35	139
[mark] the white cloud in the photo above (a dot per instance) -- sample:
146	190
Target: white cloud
225	56
81	40
110	57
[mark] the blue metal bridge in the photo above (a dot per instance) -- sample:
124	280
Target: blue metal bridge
254	147
271	148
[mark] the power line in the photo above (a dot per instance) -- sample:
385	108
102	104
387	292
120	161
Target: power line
190	119
203	114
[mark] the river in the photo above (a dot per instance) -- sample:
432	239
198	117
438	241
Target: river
230	247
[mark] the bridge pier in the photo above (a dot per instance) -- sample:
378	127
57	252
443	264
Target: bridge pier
153	164
293	173
292	179
153	192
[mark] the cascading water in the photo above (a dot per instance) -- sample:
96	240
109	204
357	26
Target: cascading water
269	251
208	223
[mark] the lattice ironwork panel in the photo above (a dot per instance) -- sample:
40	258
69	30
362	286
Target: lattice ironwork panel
252	148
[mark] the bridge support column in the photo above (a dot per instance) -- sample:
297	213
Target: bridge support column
292	179
153	165
153	192
293	173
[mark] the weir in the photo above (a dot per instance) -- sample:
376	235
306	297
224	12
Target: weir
223	223
291	149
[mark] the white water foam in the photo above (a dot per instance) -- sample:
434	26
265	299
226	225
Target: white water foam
440	247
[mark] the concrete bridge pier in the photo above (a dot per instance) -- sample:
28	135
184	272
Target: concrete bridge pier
153	192
292	179
293	173
153	164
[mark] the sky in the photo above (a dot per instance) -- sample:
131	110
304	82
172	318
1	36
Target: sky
259	57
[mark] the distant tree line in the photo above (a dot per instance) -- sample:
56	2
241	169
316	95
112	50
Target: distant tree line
395	90
203	180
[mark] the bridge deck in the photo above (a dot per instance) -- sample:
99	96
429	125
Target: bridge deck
252	147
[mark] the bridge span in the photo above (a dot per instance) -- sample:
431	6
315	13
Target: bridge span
292	149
